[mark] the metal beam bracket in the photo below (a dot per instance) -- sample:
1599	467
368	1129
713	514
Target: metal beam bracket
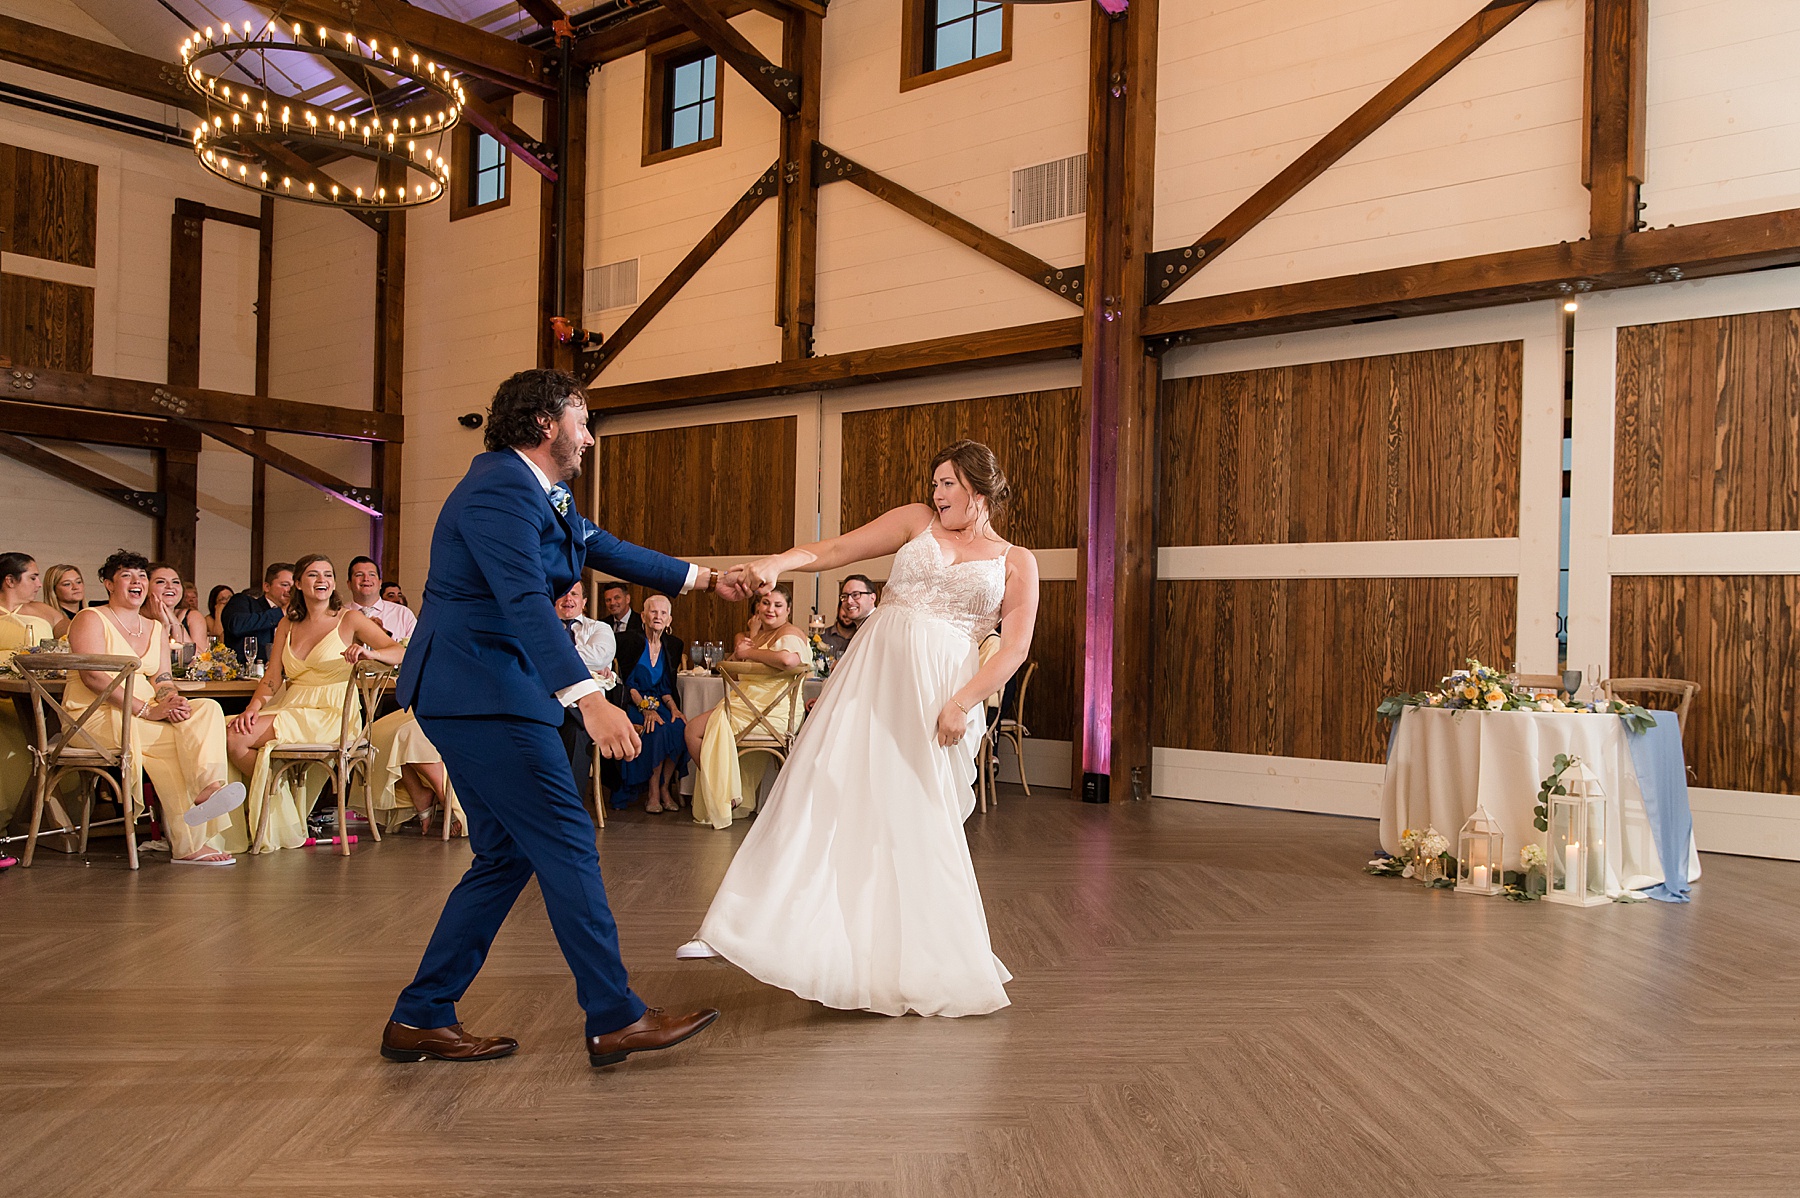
1164	270
1068	281
22	380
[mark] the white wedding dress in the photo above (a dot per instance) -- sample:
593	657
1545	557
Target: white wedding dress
854	886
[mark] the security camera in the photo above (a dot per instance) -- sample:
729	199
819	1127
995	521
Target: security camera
472	420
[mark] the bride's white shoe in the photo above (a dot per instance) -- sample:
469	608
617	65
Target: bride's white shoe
695	950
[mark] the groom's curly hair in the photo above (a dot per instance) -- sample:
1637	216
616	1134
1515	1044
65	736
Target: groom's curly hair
512	420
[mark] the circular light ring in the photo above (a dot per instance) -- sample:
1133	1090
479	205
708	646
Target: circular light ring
438	81
238	158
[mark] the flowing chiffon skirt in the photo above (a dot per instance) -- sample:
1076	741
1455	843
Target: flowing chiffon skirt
854	886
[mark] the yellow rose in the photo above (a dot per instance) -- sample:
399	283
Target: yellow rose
1469	692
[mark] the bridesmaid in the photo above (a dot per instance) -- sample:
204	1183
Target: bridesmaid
724	784
180	742
66	592
650	686
315	647
24	621
410	779
183	624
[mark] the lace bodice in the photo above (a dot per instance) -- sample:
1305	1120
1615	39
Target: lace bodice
964	594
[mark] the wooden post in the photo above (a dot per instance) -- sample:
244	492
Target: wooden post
177	471
1613	166
802	51
390	373
265	299
1117	547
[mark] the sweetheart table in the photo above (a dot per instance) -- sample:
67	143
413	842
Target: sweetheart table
1442	764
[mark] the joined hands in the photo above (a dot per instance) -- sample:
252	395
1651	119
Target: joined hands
748	579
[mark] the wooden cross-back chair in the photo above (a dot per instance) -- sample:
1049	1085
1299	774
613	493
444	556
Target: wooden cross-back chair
1683	690
760	735
1011	728
342	760
72	748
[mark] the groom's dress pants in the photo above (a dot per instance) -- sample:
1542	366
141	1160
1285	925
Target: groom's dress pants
525	817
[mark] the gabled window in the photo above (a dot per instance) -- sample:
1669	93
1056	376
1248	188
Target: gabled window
946	38
681	103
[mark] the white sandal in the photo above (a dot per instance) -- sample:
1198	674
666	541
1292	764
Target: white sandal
226	860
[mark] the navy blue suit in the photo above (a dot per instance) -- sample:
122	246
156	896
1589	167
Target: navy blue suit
481	675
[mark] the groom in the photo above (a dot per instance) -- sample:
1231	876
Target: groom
488	674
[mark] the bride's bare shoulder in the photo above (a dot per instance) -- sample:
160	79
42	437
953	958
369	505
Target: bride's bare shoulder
916	517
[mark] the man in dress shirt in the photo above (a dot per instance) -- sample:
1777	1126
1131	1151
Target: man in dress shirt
249	614
365	597
393	594
856	600
615	601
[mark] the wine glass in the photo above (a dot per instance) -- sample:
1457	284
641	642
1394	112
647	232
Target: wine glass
1571	680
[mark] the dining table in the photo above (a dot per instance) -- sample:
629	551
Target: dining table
702	690
1443	764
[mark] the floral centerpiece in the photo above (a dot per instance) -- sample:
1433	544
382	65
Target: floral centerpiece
823	659
7	669
1422	856
1483	688
215	663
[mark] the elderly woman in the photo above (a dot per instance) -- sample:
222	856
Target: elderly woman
648	663
725	785
180	743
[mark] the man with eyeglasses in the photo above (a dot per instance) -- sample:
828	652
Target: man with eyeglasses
856	599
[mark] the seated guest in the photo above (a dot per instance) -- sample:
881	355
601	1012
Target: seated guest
216	599
856	599
409	777
255	614
365	597
393	594
594	642
648	664
723	784
179	742
66	592
615	601
184	627
315	647
25	622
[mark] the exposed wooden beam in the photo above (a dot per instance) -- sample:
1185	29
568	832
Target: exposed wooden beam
64	424
778	85
544	12
178	524
1171	268
96	63
390	375
1542	272
99	393
497	125
1613	108
797	257
226	216
265	311
145	503
363	499
687	268
562	240
449	41
621	39
1116	539
187	241
1066	282
997	347
305	172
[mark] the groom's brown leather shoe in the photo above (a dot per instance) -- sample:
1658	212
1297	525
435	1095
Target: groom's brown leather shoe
657	1029
402	1043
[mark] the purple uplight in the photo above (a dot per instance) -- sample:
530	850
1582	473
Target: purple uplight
1115	7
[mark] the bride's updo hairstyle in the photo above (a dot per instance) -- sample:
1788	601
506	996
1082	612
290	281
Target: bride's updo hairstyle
979	470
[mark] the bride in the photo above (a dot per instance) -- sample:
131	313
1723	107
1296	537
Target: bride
854	886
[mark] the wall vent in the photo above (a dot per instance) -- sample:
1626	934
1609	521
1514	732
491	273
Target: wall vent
612	286
1049	191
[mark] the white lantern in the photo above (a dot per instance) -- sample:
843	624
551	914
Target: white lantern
1480	853
1576	841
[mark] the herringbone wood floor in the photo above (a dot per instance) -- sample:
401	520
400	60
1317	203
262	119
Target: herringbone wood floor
1209	1000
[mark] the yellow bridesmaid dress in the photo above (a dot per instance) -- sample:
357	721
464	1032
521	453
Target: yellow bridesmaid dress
308	711
398	742
182	759
724	786
17	631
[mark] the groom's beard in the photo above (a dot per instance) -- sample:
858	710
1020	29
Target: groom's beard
567	455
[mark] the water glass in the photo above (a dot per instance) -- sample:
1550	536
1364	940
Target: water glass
1571	680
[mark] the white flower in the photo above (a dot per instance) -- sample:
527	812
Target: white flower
1532	856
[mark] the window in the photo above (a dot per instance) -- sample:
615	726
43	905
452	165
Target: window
681	102
480	170
488	182
946	38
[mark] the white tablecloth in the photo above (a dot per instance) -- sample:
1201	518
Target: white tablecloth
1443	763
703	692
